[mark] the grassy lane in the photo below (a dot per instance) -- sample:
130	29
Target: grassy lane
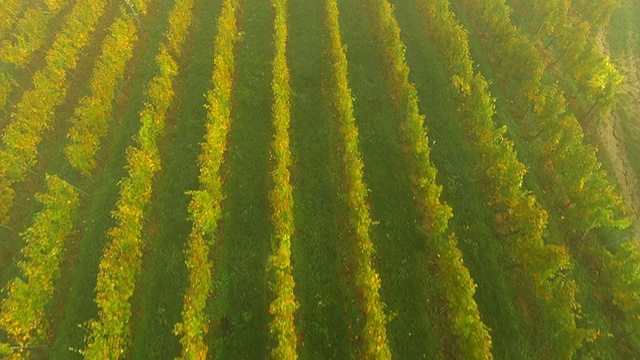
323	330
623	33
456	166
75	297
240	311
397	238
159	302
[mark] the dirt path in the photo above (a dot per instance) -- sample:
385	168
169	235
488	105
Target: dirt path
612	133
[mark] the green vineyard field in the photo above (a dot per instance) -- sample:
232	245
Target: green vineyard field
319	179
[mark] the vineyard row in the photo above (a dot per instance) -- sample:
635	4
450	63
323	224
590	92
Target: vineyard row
463	318
281	197
27	38
22	314
122	258
574	180
540	267
205	206
91	117
35	112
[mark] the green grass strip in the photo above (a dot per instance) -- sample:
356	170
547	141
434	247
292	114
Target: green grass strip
122	258
281	197
205	205
22	314
35	112
92	115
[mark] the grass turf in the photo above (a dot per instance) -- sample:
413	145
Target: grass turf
240	307
323	319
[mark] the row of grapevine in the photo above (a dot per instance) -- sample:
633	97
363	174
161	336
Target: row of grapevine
30	32
27	38
596	13
571	33
472	335
524	221
571	169
22	314
6	349
9	13
573	177
122	258
92	115
281	197
35	111
205	206
376	345
574	180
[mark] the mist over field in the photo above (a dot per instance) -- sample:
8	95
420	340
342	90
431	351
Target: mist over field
369	179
